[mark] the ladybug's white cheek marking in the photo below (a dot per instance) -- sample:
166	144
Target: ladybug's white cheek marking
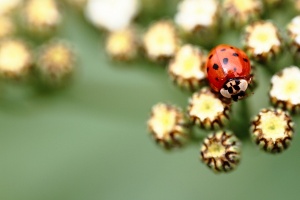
243	85
225	93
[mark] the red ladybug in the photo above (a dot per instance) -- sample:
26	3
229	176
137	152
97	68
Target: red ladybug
228	71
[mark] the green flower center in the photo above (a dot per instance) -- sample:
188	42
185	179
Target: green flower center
216	149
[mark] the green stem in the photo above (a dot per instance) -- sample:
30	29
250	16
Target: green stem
239	123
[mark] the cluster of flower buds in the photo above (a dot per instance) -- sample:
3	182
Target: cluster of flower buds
271	129
29	49
215	78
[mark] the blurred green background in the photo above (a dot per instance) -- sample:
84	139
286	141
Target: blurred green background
90	141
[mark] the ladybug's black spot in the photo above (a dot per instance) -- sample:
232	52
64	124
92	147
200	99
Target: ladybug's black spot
207	69
245	59
223	49
210	56
217	79
234	69
225	61
235	54
236	87
231	47
216	67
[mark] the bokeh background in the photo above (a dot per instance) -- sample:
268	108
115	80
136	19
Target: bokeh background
90	140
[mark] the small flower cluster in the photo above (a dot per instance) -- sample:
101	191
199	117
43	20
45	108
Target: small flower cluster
171	41
40	56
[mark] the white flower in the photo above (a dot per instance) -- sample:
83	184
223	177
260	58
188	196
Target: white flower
285	85
244	10
112	15
123	44
55	63
187	67
206	109
168	125
262	37
294	29
297	39
15	58
206	106
161	40
7	5
294	26
163	120
272	130
42	15
194	13
188	62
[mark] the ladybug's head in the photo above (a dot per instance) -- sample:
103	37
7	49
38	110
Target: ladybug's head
234	88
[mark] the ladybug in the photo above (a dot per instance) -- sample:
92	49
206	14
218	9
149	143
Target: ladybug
228	71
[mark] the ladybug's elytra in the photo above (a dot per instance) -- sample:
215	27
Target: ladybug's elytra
228	71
